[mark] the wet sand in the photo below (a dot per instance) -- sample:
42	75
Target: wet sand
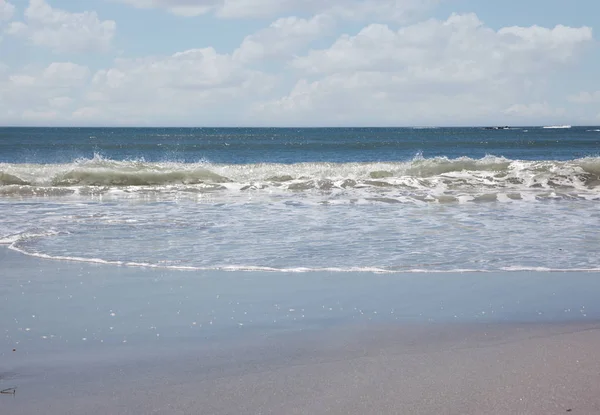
85	340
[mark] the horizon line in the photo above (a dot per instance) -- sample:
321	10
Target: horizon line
306	127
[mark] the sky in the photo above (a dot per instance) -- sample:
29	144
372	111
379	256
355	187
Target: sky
299	63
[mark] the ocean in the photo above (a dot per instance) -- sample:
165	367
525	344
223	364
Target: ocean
384	200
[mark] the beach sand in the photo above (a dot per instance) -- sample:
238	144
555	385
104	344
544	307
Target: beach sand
92	339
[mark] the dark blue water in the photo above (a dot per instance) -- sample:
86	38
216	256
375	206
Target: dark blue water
287	145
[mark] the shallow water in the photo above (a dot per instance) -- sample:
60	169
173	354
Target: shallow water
72	311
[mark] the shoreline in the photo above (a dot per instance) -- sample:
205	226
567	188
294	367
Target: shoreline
281	343
298	270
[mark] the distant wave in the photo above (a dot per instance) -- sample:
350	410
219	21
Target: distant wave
439	177
554	127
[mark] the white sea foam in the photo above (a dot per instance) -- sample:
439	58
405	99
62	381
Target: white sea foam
557	127
436	179
304	237
29	235
517	268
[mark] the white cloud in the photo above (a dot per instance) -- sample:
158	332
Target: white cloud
195	86
376	98
179	7
22	80
585	97
348	9
542	43
7	10
88	114
60	102
17	29
65	74
37	116
535	110
381	10
41	94
63	31
461	44
57	75
197	69
283	38
455	71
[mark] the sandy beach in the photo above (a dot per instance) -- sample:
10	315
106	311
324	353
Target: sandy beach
99	339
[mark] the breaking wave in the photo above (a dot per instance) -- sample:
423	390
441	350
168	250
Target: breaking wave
439	177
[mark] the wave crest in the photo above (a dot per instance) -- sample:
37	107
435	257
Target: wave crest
440	177
8	179
141	177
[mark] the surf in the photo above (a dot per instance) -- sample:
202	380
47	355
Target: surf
429	176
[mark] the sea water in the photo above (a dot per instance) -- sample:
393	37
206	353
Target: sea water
367	199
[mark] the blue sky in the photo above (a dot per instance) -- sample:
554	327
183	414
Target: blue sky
299	62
